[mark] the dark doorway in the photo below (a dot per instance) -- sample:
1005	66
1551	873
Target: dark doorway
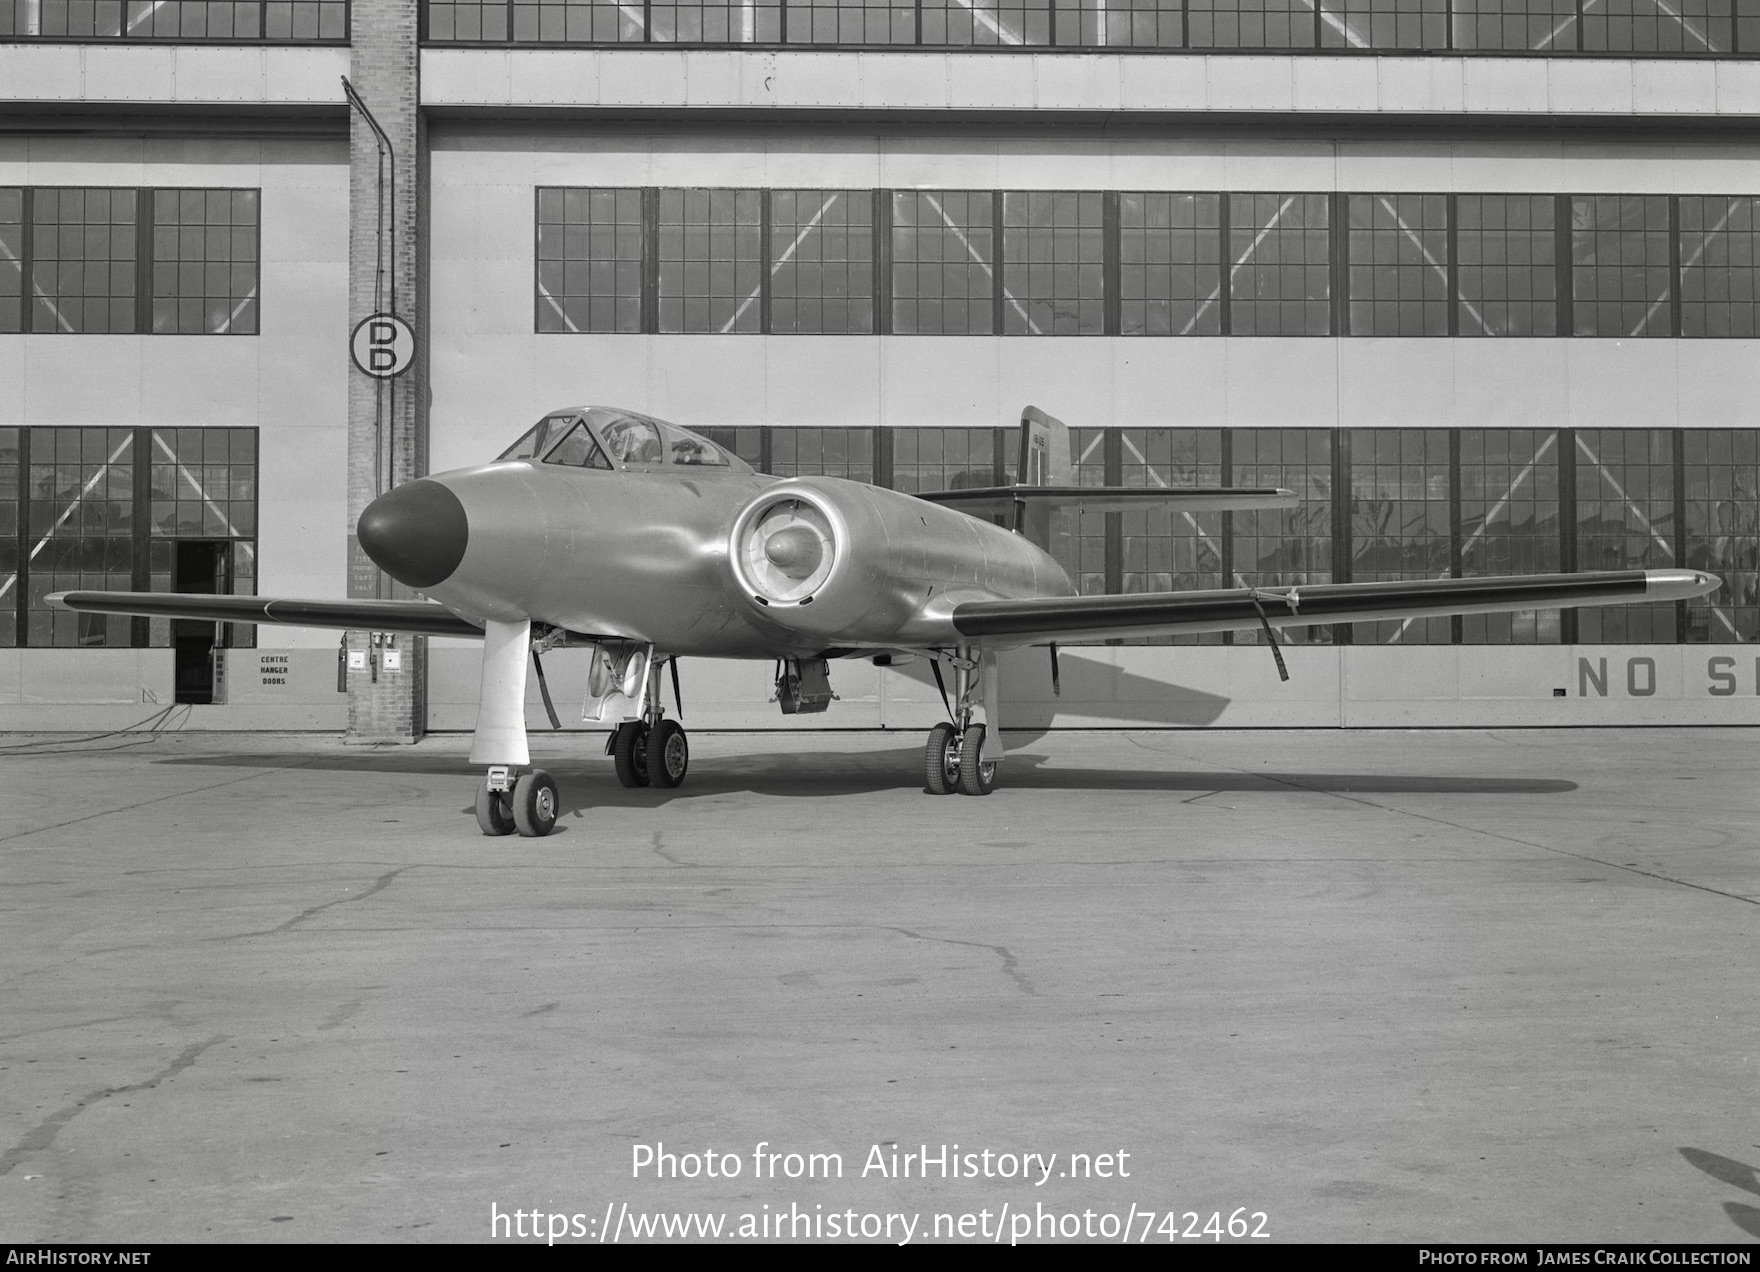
202	566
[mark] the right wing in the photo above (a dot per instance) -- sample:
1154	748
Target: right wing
1077	618
984	501
420	617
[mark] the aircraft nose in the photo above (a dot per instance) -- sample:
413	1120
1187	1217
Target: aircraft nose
415	532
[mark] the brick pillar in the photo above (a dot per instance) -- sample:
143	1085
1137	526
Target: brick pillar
387	419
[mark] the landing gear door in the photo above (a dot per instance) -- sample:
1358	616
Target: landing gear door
617	684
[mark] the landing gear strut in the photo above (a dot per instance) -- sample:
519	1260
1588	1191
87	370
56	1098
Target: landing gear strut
525	802
651	751
961	754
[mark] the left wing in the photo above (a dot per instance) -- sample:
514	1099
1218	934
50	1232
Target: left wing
1073	618
419	617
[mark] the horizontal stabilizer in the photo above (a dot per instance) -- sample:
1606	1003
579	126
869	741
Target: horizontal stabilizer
419	617
1074	618
985	501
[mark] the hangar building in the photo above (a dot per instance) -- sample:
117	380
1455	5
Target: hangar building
1479	278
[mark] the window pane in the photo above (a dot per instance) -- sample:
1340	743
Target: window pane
1170	264
1399	264
1625	521
852	22
1251	24
83	266
1657	26
708	22
822	261
11	265
1719	260
589	260
556	21
1280	281
1517	26
205	262
1285	546
1054	280
1619	246
1384	24
1400	523
1509	524
709	266
999	22
1722	475
943	281
1506	271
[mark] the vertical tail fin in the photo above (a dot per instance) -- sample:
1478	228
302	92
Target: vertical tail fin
1046	459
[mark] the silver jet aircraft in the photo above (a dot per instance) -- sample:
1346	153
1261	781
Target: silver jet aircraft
644	543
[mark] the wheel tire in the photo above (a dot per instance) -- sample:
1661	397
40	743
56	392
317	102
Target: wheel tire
975	778
534	804
494	811
669	754
941	760
630	749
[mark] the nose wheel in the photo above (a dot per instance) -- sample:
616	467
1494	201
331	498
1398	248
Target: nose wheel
526	803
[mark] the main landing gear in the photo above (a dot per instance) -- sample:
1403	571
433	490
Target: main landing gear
956	757
526	802
652	751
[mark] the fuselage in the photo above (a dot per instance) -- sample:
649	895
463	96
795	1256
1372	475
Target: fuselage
644	552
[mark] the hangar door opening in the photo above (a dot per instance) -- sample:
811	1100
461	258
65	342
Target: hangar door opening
200	567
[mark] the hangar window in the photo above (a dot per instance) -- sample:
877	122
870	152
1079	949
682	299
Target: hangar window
1170	264
1283	546
1280	282
1399	265
1251	24
707	22
1401	522
1625	506
1054	263
1721	502
12	316
590	260
122	509
1516	26
943	458
1720	266
821	249
1509	524
1621	265
852	22
708	252
548	21
1506	254
231	21
1384	24
120	261
1009	23
1658	26
943	263
1161	551
1121	23
205	253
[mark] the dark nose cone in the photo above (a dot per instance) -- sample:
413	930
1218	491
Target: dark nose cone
416	533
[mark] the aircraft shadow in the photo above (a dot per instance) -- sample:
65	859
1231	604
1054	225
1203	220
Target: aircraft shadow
1736	1174
817	774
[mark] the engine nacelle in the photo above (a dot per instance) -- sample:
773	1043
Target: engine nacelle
841	562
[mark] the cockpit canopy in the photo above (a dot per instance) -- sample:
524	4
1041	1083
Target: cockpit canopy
604	437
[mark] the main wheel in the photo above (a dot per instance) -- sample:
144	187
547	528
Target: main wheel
941	760
975	778
669	754
494	812
629	747
534	804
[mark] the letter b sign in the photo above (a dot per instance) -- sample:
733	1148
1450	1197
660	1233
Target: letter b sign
383	346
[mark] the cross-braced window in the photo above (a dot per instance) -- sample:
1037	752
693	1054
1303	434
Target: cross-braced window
1251	24
589	260
1280	282
83	274
1722	480
603	21
822	262
715	21
471	20
1620	272
205	262
1720	266
1384	24
1172	551
943	280
12	316
943	458
1121	23
81	484
1053	273
1399	264
1625	521
1657	26
852	22
710	274
830	452
1285	546
1509	524
1400	522
1079	535
1516	26
1506	249
1170	269
1000	22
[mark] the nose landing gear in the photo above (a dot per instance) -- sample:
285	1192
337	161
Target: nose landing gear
526	803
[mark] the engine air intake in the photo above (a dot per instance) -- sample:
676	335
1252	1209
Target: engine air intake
785	547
